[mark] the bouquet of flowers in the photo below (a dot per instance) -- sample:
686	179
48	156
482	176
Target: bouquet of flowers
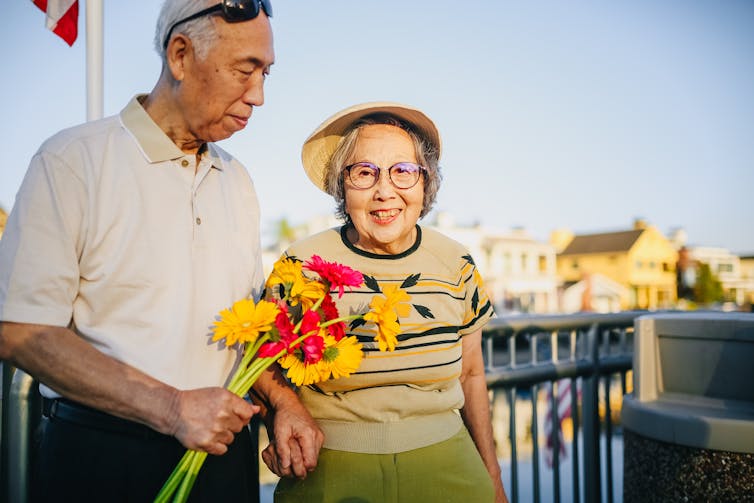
300	328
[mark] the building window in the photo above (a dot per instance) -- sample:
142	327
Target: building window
639	264
724	268
542	263
575	264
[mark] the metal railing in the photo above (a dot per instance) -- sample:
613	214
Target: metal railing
521	354
21	411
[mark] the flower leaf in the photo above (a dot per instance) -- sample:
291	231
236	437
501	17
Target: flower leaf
371	283
410	280
424	311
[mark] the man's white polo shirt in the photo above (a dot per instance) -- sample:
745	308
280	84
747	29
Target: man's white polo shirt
119	234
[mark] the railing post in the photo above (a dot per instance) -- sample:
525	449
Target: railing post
7	375
20	419
591	421
512	422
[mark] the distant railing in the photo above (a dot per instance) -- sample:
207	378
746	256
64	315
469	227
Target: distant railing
524	352
521	353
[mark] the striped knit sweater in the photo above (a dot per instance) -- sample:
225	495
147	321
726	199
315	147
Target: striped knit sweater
409	398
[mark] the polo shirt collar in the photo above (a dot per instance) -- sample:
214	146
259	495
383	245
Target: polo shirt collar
152	141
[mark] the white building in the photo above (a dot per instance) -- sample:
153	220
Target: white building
727	268
596	293
519	271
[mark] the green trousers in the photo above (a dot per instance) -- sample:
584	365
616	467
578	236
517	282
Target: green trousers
446	472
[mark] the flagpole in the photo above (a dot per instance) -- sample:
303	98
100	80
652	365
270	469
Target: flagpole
94	60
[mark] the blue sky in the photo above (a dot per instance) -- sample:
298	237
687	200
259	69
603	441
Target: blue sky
553	114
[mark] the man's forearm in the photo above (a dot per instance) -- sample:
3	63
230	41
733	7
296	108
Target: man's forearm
74	368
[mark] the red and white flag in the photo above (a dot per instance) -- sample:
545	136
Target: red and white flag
563	402
62	17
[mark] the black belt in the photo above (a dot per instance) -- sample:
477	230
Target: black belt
72	412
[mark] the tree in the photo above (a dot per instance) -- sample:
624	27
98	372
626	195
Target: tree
284	232
708	288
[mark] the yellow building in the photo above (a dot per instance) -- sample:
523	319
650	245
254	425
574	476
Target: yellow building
747	278
3	219
641	259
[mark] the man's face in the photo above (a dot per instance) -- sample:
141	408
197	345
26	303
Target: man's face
218	92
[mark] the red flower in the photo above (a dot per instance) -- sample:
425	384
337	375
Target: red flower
313	348
337	275
310	323
330	312
271	349
285	329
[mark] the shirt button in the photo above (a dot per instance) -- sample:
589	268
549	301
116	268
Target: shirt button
184	163
198	221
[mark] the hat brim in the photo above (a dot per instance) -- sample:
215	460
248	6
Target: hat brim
321	144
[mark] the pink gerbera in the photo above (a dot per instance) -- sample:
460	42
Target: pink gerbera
313	348
337	275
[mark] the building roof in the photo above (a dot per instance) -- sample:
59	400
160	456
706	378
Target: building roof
602	243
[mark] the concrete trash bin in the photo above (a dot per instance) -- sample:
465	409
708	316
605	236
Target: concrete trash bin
689	424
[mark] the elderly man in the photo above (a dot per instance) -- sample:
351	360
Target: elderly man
128	235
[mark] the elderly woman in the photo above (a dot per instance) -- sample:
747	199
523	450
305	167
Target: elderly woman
413	424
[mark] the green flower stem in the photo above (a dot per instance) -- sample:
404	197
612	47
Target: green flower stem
247	380
175	478
342	318
252	373
190	477
249	353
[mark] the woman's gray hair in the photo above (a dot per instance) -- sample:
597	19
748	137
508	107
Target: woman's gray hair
427	155
201	30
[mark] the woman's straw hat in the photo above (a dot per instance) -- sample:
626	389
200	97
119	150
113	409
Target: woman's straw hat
321	144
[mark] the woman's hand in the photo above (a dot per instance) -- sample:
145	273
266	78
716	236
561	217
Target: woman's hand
295	442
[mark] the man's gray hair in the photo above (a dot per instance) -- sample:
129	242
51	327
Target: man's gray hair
201	30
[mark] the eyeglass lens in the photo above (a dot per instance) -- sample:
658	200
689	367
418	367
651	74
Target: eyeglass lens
403	175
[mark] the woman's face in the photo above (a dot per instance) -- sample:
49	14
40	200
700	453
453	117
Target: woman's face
384	216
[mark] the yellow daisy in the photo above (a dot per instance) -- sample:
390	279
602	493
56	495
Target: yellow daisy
286	272
307	293
245	321
299	372
341	358
384	312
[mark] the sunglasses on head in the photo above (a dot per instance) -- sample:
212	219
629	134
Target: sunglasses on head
231	10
